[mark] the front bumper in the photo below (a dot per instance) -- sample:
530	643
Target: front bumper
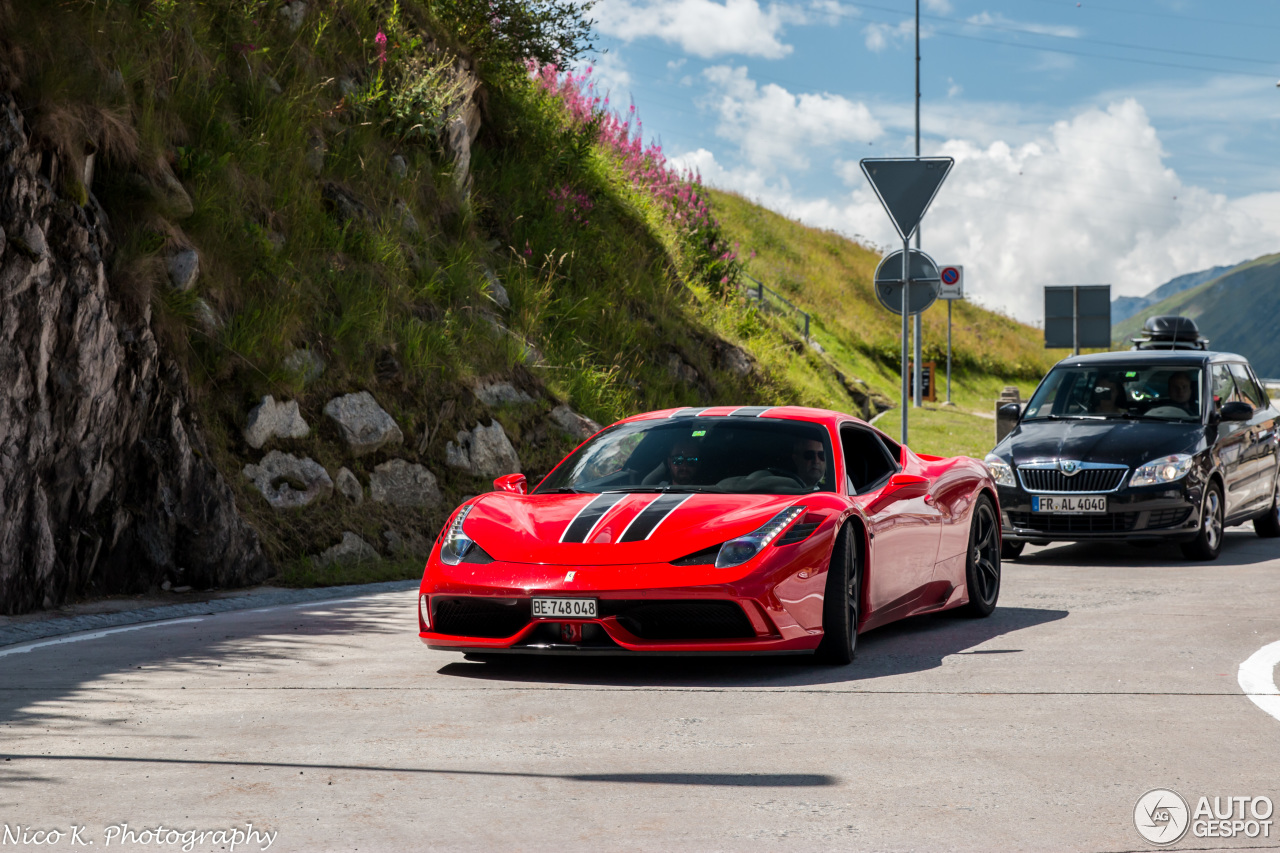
1150	513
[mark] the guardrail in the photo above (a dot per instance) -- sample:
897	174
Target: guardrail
762	293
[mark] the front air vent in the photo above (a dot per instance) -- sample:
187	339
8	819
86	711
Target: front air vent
477	616
798	533
705	557
681	620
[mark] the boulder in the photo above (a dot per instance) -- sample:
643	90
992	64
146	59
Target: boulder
413	544
398	167
494	288
408	221
30	241
365	426
349	486
207	317
344	206
270	419
402	483
293	14
316	150
352	549
288	482
576	425
306	364
736	361
681	369
170	193
2	242
501	394
184	269
484	452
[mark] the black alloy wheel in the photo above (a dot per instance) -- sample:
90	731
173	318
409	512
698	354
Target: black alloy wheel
1011	550
1268	525
841	601
1208	542
982	568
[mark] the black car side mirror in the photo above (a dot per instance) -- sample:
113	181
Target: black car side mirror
1237	411
1011	410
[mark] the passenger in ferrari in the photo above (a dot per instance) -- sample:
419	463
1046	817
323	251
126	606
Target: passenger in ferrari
810	460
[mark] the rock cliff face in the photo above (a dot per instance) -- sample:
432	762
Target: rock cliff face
104	480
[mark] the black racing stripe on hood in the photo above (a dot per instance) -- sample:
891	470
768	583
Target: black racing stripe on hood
585	521
750	411
652	515
687	413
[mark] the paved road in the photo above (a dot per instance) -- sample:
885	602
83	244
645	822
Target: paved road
1106	672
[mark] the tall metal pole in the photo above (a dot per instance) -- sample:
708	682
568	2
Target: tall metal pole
949	301
906	307
918	385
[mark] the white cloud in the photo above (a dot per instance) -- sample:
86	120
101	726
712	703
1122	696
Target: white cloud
1085	200
1000	22
703	28
776	129
610	74
879	36
940	7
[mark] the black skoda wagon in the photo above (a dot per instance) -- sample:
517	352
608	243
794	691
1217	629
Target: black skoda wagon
1140	446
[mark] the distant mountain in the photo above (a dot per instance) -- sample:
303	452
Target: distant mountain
1238	311
1124	307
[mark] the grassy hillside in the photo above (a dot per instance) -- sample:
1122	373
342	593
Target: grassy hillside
1236	311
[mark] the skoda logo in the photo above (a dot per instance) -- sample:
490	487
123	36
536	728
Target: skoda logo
1069	466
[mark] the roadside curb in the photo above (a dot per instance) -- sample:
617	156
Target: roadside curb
14	634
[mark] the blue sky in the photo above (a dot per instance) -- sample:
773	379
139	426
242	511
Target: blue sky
1114	141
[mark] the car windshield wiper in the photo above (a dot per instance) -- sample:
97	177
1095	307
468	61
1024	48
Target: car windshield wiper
664	489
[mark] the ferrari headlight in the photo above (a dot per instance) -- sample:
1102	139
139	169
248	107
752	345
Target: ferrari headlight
456	543
1000	470
1166	469
735	552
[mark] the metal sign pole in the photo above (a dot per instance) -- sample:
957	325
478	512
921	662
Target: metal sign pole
949	301
906	318
1075	321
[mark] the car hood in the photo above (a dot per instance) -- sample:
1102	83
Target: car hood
1123	442
530	528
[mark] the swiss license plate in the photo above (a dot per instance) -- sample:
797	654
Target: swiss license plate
1070	503
573	608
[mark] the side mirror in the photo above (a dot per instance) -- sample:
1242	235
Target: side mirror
1011	410
514	483
900	487
1237	411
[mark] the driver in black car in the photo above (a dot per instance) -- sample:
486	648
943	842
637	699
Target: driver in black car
1180	391
810	460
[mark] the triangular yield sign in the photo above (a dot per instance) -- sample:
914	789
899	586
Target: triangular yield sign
906	187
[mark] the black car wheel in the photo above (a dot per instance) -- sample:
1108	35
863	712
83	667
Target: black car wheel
841	601
1208	543
1268	526
1011	550
982	570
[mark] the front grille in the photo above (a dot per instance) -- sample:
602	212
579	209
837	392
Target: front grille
474	616
1061	524
681	620
1086	480
1168	517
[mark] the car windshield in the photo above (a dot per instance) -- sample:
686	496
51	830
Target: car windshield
695	454
1146	391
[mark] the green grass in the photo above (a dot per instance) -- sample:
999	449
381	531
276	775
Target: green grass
943	431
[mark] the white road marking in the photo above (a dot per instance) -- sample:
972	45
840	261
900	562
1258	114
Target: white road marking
1257	679
75	638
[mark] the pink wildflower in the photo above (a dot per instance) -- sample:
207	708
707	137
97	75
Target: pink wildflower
381	41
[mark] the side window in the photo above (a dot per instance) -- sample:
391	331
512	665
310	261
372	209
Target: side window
895	450
1247	386
1223	385
866	460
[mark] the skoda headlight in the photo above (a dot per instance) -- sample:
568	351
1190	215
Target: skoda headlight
456	543
735	552
1000	470
1166	469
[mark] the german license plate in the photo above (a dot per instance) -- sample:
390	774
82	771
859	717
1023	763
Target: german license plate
1080	504
573	608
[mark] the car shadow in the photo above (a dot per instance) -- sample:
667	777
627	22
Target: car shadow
1240	547
912	645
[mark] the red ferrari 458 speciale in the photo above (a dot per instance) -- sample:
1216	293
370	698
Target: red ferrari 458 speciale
728	529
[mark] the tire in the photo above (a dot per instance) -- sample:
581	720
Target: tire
1011	550
1267	525
1208	542
841	602
982	566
